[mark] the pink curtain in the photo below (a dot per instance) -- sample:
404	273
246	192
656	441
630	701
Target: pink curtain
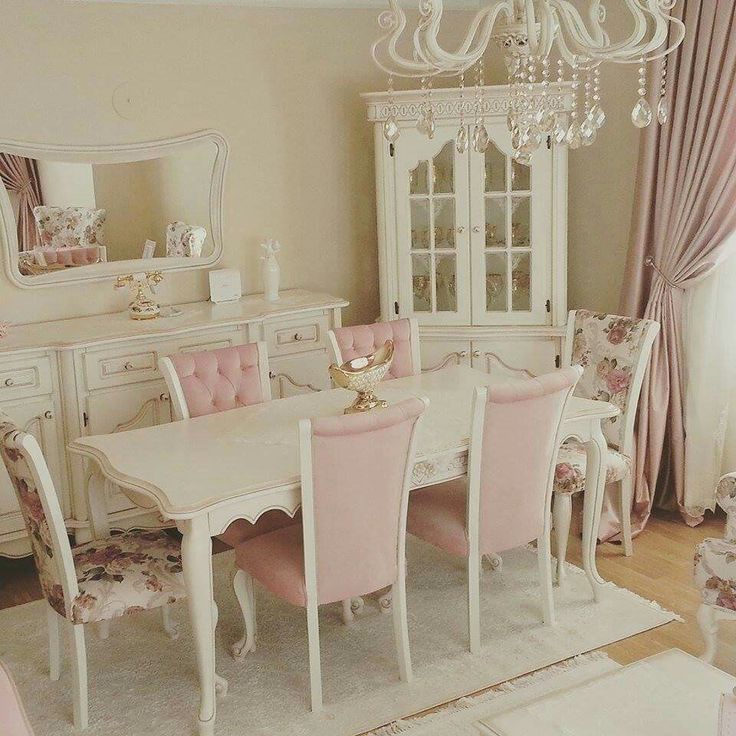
685	208
19	175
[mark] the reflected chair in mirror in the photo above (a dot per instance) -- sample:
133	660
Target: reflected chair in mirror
70	227
505	500
362	340
93	582
15	720
356	474
184	241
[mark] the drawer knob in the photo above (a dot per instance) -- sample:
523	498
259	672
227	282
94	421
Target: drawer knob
476	353
476	228
9	382
163	397
298	337
128	366
461	229
463	353
48	414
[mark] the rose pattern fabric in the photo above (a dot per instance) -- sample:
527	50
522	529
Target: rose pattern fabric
122	574
130	572
726	498
70	227
715	572
571	465
184	241
609	348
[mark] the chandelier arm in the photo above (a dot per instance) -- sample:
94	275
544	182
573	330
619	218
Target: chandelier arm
394	21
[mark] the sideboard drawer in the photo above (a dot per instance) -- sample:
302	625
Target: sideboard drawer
296	336
27	377
113	368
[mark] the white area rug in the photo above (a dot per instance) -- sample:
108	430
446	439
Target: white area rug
143	683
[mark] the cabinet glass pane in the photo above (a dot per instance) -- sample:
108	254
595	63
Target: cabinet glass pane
444	223
521	282
421	283
495	170
444	169
419	179
446	283
495	222
520	221
420	224
520	176
496	282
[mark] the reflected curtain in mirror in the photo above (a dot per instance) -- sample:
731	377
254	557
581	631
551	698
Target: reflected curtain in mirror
20	177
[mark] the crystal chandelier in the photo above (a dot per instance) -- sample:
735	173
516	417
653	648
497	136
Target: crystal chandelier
527	32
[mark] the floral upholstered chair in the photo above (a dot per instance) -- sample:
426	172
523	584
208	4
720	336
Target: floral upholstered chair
94	582
715	570
184	241
70	227
614	352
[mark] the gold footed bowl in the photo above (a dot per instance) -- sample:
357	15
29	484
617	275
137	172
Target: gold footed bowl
363	375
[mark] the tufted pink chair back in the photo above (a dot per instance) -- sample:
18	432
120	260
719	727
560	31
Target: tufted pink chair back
362	340
14	719
222	379
516	433
360	470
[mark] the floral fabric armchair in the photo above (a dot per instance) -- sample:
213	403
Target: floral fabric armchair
715	570
184	241
70	227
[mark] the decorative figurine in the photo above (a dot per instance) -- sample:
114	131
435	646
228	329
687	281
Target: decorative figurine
363	375
141	306
270	269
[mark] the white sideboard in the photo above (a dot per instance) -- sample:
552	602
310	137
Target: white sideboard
96	375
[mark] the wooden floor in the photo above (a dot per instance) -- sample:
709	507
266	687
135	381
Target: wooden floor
661	570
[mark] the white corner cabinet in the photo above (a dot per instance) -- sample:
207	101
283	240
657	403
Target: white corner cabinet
474	245
97	375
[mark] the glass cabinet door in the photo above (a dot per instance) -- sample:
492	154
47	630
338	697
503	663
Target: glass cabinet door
510	234
432	227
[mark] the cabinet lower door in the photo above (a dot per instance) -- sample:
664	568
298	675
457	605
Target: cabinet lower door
302	373
441	353
537	355
35	416
124	408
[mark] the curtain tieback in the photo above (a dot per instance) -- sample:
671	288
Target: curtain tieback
650	262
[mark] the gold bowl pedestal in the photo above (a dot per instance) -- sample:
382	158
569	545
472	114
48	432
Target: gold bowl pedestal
363	375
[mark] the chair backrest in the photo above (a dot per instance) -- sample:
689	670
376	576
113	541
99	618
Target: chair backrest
614	351
15	721
726	498
361	340
211	381
70	227
356	471
41	512
514	437
183	240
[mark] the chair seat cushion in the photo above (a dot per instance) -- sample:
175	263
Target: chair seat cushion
276	560
126	573
571	462
438	515
715	572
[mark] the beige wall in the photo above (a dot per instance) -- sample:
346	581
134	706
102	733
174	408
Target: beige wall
282	86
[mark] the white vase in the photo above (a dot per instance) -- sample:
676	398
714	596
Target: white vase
271	277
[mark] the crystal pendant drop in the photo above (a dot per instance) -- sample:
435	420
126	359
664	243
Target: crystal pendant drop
391	129
480	138
425	124
588	132
641	115
560	132
574	138
461	140
597	116
530	141
516	138
511	121
525	159
662	111
547	125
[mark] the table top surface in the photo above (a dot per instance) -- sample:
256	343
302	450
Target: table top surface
189	466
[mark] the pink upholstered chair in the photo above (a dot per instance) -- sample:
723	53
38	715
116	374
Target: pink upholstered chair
13	715
361	340
506	500
356	471
94	582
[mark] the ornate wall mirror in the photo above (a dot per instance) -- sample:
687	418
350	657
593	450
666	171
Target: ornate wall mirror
73	213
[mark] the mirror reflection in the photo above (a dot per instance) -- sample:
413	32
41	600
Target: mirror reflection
70	215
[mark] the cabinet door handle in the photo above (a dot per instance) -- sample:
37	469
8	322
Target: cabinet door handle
298	337
9	382
463	354
476	353
128	366
461	229
476	228
48	414
163	397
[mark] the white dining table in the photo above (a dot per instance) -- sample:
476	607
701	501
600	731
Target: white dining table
206	472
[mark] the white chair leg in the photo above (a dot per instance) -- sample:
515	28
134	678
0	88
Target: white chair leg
169	626
474	603
401	630
103	630
347	611
244	592
79	669
54	621
315	666
708	621
627	491
561	518
544	558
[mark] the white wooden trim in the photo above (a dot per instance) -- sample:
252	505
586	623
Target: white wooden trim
108	154
336	353
416	353
263	369
179	408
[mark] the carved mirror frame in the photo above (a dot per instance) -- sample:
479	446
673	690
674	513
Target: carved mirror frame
111	154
